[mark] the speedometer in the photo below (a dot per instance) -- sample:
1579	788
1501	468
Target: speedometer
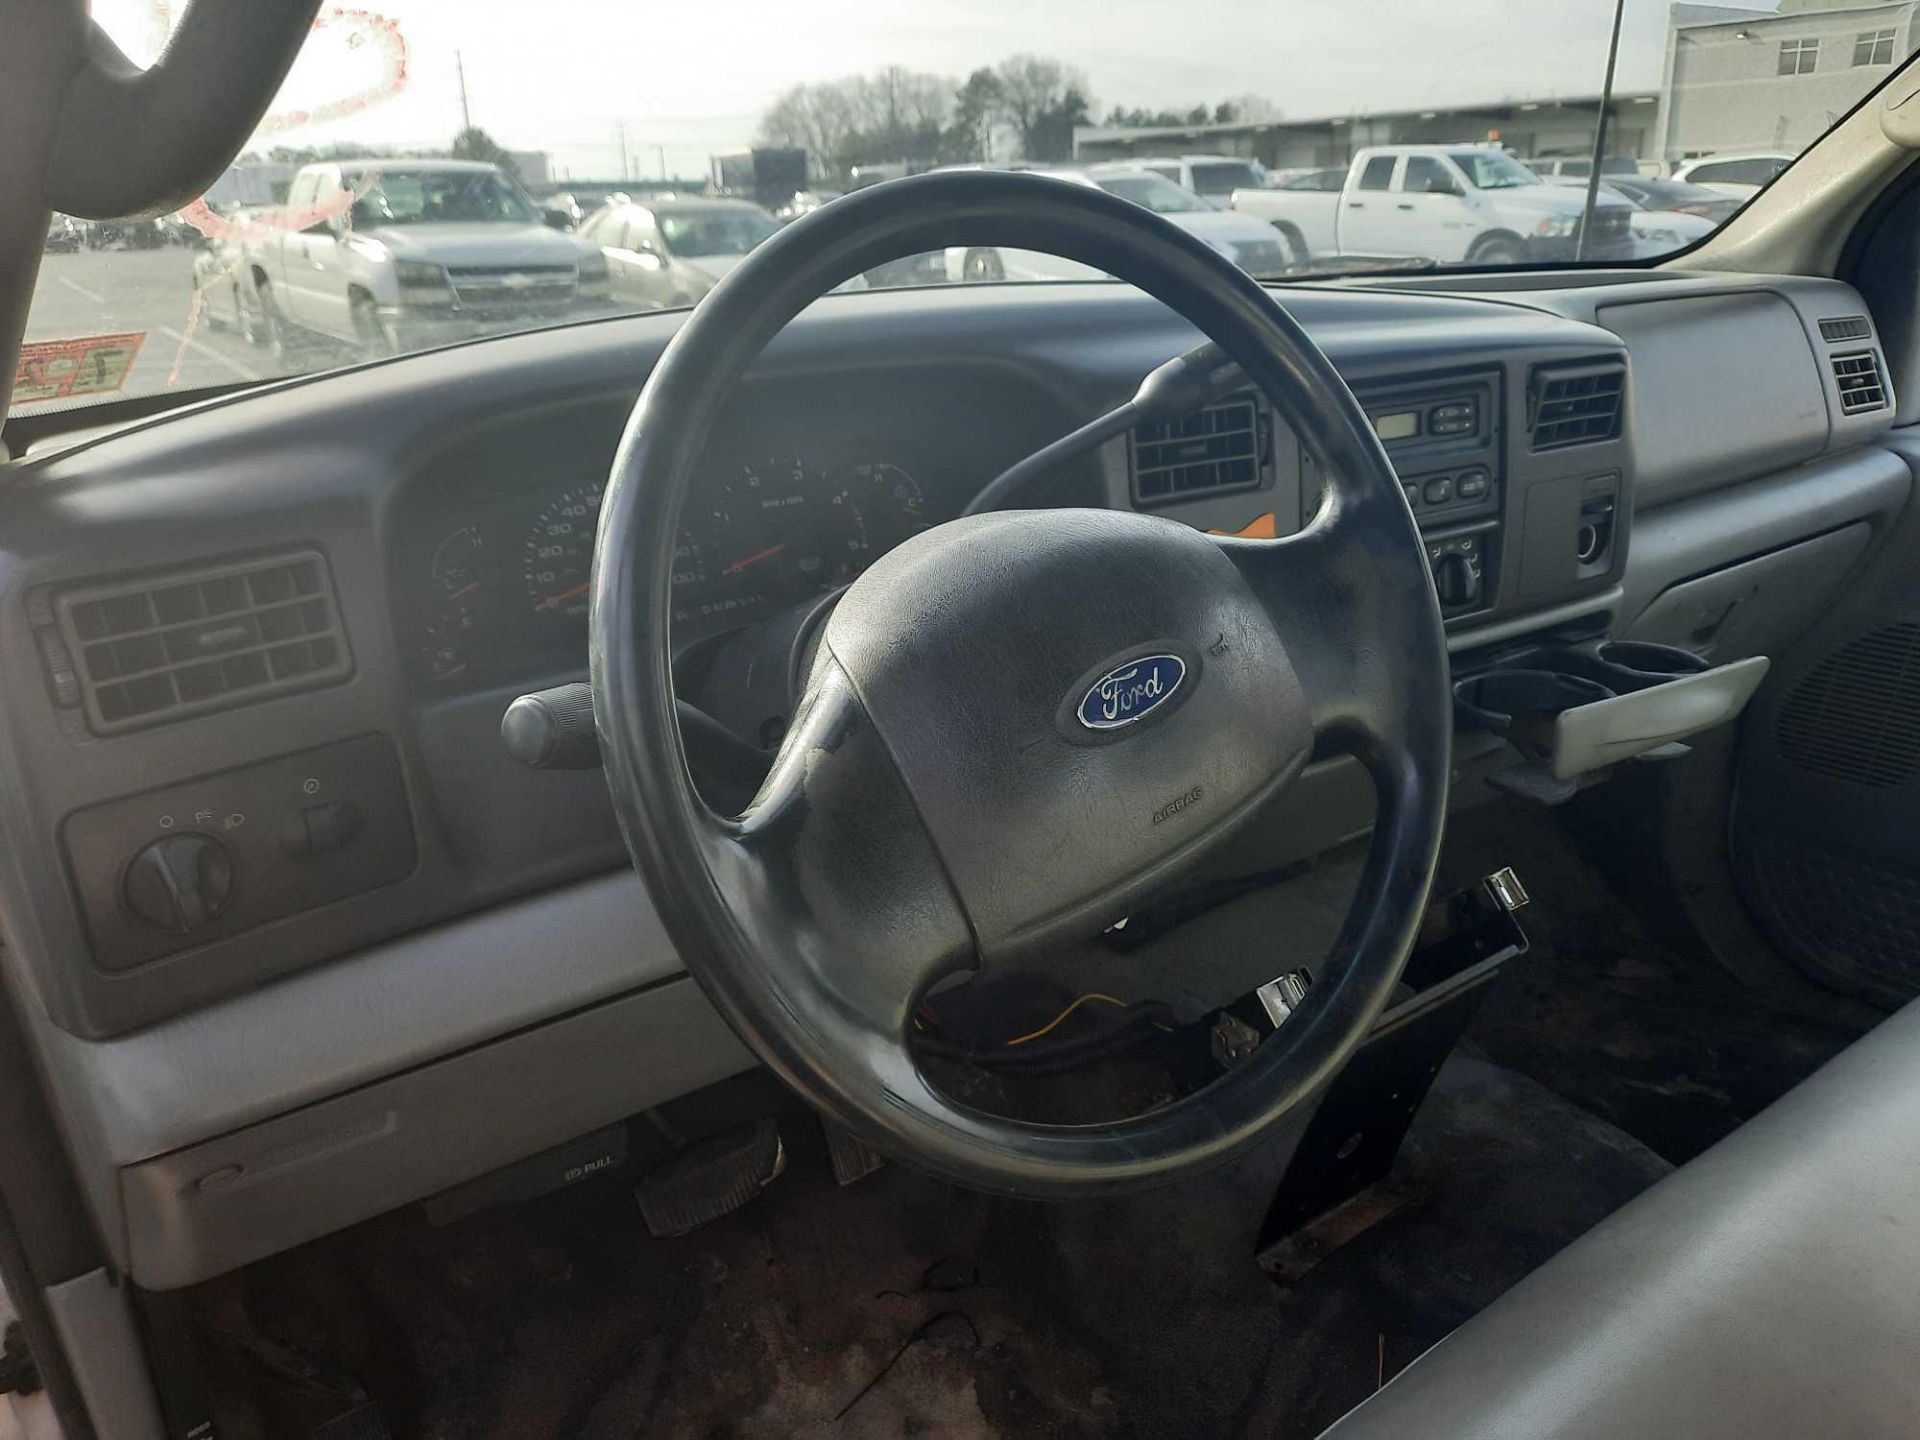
557	559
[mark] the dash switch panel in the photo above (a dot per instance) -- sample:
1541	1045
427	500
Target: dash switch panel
284	836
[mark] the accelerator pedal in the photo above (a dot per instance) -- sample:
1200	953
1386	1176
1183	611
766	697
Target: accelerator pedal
711	1179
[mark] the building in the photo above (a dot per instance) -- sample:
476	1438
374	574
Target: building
1772	80
1542	127
532	166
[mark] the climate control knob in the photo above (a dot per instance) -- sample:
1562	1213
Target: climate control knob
1454	579
179	883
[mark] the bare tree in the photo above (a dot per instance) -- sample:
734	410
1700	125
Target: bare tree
1033	89
893	114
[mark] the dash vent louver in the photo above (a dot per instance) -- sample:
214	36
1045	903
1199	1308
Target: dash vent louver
1857	373
1575	405
165	646
1845	327
1204	453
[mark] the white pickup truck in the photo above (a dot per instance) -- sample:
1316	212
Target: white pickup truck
1447	203
394	254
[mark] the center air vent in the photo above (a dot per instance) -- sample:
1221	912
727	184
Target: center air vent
1857	373
160	648
1214	449
1575	405
1845	327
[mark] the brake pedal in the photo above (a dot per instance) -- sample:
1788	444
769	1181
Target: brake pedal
853	1159
713	1178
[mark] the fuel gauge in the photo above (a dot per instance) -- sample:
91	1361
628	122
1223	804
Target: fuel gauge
457	605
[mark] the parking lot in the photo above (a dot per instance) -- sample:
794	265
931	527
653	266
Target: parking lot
145	292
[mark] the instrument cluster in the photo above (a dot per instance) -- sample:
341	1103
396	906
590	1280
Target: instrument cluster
505	582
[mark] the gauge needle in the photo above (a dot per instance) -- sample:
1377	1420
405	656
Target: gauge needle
754	559
565	595
466	589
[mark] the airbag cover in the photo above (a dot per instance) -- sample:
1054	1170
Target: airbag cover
979	650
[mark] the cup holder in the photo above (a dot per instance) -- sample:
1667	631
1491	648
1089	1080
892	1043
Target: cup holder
1637	664
1547	701
1522	704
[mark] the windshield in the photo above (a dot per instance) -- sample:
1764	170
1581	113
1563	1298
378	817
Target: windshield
714	232
435	197
1163	197
432	173
1492	170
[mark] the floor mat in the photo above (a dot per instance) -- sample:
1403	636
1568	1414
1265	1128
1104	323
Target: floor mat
903	1306
1651	1034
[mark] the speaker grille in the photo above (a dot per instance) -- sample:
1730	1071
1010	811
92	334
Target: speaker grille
1856	715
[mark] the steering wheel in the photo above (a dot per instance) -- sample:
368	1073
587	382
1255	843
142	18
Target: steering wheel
1020	723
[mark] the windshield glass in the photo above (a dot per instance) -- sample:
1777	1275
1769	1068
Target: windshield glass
431	172
435	197
1493	170
1163	197
714	232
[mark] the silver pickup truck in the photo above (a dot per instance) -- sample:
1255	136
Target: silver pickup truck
395	254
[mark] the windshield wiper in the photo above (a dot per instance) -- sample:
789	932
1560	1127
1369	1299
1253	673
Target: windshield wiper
1358	265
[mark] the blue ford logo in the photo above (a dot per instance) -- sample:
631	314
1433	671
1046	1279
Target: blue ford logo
1127	692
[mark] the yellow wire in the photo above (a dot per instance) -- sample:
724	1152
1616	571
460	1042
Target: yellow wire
1053	1023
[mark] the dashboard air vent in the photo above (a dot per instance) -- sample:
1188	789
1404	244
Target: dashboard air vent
1577	405
1211	450
167	646
1846	327
1856	715
1857	373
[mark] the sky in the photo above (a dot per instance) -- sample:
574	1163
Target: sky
690	78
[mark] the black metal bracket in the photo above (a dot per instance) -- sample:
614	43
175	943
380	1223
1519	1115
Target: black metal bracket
1355	1134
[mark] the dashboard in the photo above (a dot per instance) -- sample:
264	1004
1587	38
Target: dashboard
276	634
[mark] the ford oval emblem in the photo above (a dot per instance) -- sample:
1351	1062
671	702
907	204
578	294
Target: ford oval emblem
1129	692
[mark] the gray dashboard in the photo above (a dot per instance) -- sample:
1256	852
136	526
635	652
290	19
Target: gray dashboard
249	1087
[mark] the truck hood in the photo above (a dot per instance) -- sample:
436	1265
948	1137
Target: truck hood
1550	199
480	243
1222	227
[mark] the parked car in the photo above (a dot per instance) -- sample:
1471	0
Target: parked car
1737	175
1249	244
123	234
1213	178
63	235
670	252
410	251
223	278
563	211
1671	214
1446	203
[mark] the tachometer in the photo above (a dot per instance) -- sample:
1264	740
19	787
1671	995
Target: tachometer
775	530
557	559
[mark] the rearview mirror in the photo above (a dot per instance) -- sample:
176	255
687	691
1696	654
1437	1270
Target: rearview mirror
556	219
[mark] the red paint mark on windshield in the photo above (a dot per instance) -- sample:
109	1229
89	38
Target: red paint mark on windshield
358	29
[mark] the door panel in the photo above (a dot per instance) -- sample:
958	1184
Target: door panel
1366	210
1826	831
